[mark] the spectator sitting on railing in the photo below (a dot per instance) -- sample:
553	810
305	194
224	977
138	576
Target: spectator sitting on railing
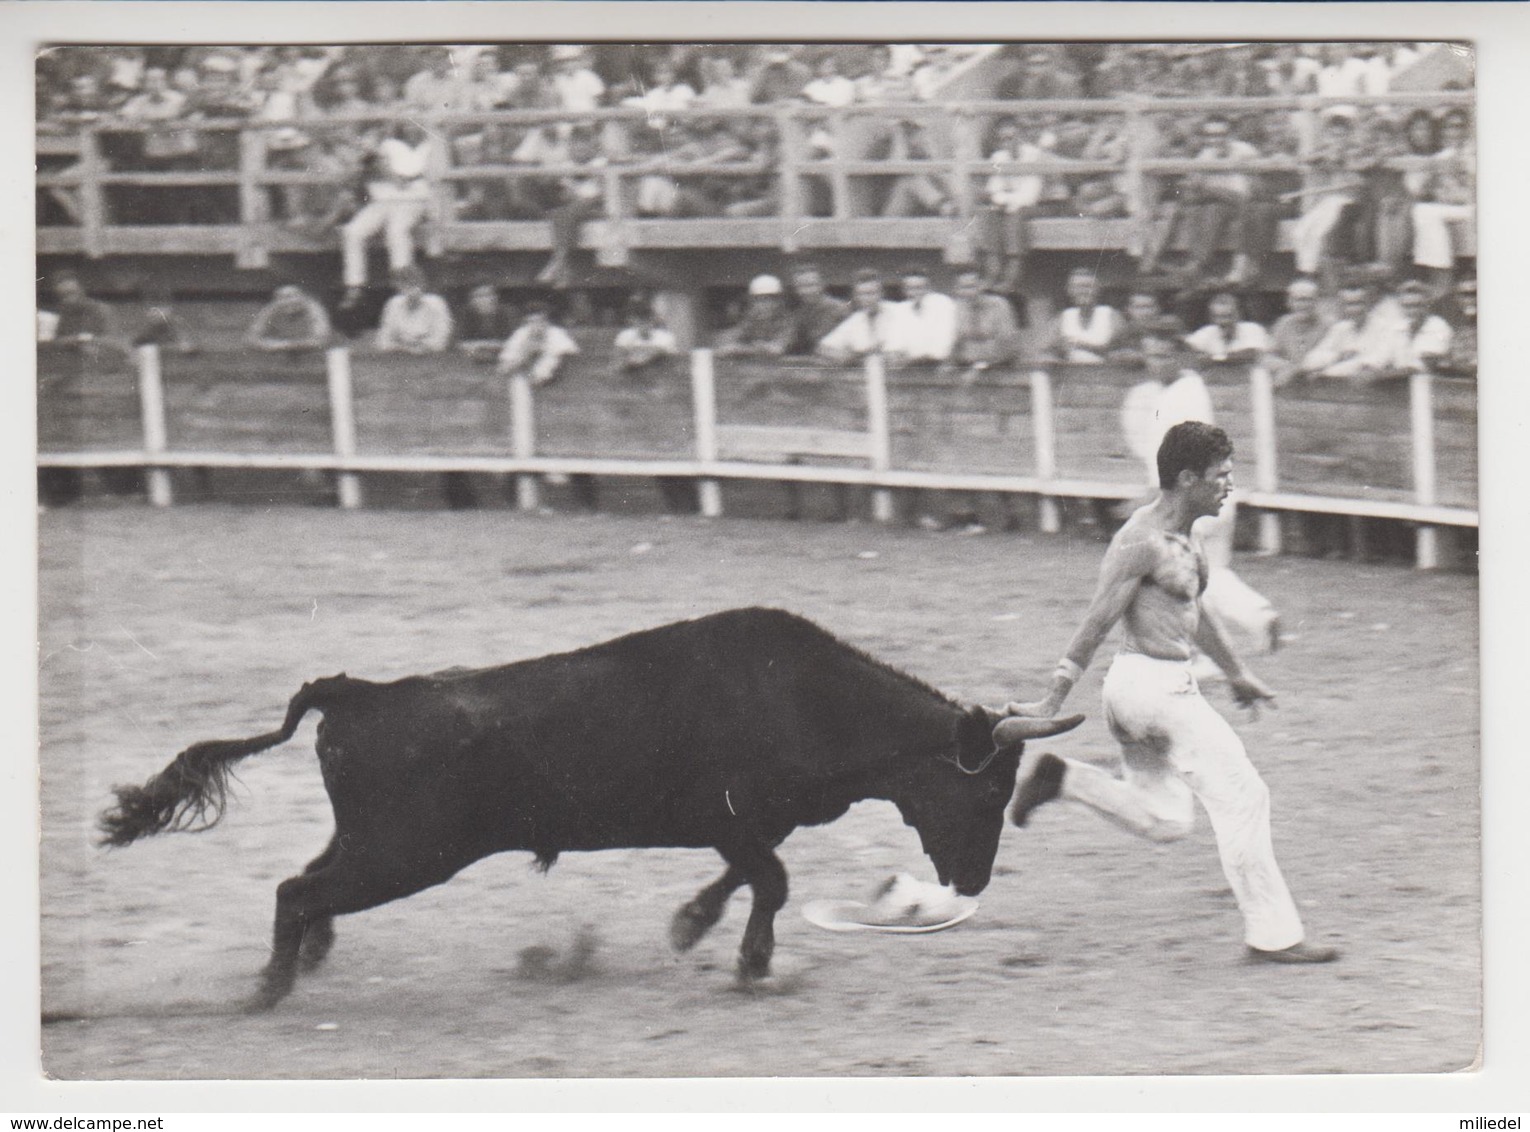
912	194
643	346
1339	168
702	141
580	197
414	321
816	313
1449	194
1015	200
766	330
986	333
537	348
317	210
1086	331
1228	337
929	321
398	198
1297	332
1097	195
758	193
1144	318
1208	204
873	326
1461	360
484	324
292	322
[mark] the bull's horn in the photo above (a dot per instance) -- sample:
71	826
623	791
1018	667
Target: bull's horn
1013	729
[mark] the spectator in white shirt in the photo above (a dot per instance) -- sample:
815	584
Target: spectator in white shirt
413	321
397	201
874	326
579	88
1227	338
930	325
1085	331
1014	200
643	345
830	88
537	348
1384	340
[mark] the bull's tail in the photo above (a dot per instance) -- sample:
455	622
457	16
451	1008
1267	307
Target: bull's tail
190	793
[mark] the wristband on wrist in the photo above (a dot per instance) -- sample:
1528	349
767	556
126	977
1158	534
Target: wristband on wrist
1068	670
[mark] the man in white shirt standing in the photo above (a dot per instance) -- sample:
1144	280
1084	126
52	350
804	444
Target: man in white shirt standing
1227	338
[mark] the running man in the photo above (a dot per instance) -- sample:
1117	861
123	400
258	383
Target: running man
1175	747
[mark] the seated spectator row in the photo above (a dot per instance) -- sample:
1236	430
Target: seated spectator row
1357	332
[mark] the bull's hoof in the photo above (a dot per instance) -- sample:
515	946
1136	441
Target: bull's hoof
687	927
272	989
753	968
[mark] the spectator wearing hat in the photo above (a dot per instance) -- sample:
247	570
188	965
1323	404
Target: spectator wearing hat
1297	332
816	313
1228	337
292	322
398	199
413	320
483	324
874	325
537	348
766	330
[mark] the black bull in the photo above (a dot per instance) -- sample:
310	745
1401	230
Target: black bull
726	732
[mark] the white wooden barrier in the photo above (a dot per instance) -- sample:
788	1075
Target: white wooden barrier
342	421
740	452
151	408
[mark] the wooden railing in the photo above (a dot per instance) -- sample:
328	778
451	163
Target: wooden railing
1400	449
952	136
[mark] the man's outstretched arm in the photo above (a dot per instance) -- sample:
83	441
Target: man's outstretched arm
1126	564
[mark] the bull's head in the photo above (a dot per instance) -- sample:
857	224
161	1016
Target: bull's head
955	801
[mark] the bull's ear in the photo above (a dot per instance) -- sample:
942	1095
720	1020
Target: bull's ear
975	731
1016	729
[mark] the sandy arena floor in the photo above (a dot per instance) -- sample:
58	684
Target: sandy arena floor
1093	952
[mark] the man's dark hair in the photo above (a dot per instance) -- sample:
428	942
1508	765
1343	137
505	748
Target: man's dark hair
1191	446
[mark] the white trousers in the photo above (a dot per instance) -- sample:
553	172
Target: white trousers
396	219
1431	232
1176	748
1311	230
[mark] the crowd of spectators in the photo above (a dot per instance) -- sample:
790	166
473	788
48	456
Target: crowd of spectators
1382	186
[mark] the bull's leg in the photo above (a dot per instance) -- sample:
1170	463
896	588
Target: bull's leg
766	876
701	913
319	933
313	899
